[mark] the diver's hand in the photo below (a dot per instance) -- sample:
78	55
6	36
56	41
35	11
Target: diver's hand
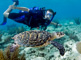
12	7
53	23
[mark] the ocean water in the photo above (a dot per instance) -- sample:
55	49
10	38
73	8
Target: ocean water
68	14
65	9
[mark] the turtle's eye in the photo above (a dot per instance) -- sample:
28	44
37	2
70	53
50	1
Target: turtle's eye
61	33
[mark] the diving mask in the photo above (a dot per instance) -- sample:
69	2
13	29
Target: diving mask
48	15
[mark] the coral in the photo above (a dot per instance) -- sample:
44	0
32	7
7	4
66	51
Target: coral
71	34
1	55
6	38
1	33
7	55
78	57
39	58
78	47
77	21
20	29
15	30
0	37
57	22
11	26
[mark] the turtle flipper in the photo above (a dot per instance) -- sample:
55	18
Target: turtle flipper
59	47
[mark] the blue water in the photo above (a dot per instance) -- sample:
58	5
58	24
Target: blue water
65	9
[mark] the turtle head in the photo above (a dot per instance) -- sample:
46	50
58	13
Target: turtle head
58	35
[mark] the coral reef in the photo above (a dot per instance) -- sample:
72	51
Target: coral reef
72	36
50	52
20	29
7	55
78	57
5	40
78	47
1	33
77	21
0	37
57	22
13	29
6	37
39	58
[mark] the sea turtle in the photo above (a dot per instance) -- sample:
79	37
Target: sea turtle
36	38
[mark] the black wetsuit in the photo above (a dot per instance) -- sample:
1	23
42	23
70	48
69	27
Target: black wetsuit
34	18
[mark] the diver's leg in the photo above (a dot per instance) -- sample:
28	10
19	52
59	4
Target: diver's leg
6	13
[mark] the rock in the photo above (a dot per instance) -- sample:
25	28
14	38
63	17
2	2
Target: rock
6	38
50	28
71	23
78	36
39	58
78	57
78	47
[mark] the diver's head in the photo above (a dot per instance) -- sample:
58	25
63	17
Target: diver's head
49	14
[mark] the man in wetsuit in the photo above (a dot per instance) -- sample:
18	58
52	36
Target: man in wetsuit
35	17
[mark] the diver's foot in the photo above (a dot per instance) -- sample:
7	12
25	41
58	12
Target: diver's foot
17	2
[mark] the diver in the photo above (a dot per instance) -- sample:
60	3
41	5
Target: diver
33	17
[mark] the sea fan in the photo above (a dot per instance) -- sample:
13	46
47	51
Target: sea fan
7	55
77	21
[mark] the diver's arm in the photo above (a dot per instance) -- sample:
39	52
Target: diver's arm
21	8
53	23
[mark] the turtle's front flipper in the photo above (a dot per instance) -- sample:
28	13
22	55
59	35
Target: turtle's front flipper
59	47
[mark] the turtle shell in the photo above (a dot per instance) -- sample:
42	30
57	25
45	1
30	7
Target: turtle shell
33	38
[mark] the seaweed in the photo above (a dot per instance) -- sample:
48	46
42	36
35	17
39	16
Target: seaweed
1	55
7	55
